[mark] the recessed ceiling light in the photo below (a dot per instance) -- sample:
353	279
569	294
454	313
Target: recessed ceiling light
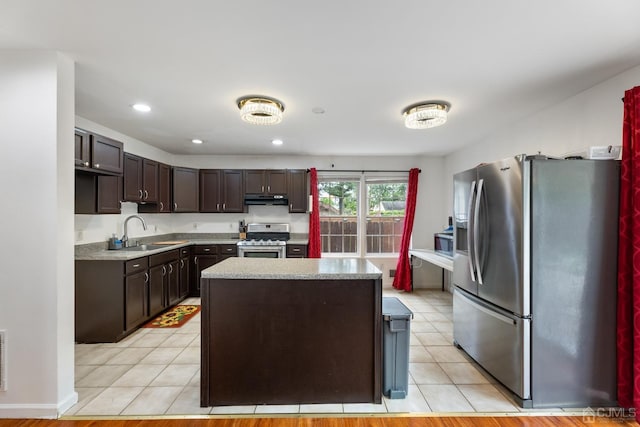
196	141
143	108
277	142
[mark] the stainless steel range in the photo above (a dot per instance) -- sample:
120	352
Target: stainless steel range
265	241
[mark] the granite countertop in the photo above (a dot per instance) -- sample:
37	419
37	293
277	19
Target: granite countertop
99	251
293	269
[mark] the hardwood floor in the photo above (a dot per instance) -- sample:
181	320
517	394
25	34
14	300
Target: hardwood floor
400	421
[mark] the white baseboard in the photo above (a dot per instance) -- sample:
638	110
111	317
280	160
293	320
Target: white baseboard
67	403
34	410
26	410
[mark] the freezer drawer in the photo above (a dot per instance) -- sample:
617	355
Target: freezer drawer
497	340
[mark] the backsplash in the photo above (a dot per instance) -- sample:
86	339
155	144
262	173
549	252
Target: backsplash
98	228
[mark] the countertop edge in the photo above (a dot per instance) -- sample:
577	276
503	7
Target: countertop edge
125	255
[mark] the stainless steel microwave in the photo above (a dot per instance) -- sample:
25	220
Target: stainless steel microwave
443	244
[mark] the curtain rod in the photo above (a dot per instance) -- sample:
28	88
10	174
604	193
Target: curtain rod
360	170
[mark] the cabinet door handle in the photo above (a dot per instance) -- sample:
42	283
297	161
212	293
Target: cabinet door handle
136	265
170	269
161	206
175	206
229	249
195	260
262	189
224	206
268	188
218	206
164	270
206	249
86	164
146	277
181	263
139	194
290	206
146	194
296	249
97	166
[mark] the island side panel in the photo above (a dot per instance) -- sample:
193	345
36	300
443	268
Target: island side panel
291	341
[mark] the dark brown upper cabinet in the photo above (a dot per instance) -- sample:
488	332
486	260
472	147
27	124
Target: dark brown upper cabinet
265	181
221	190
97	194
163	205
185	189
132	178
298	191
97	153
140	179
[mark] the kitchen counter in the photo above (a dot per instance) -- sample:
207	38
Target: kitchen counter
99	251
293	269
291	331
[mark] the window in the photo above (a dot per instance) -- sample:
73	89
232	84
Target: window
338	215
385	216
353	225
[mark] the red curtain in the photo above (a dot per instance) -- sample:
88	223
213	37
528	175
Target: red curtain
628	249
402	279
315	248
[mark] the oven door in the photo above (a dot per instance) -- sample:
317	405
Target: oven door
262	251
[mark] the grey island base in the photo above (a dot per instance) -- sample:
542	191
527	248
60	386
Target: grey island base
291	331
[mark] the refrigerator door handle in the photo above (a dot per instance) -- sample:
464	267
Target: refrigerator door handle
470	231
476	217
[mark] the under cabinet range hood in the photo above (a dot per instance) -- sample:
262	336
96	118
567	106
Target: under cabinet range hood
266	199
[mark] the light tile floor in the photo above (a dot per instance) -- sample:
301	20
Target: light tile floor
157	372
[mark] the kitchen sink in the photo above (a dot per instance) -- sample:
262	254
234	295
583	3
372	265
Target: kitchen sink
145	247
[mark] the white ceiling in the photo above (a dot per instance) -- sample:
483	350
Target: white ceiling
363	61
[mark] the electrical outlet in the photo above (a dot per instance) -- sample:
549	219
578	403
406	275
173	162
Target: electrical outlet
155	228
195	225
79	235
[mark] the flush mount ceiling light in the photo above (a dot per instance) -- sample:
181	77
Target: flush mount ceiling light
196	141
260	110
143	108
277	142
426	115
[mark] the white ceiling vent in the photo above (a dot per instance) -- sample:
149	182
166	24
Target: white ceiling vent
3	360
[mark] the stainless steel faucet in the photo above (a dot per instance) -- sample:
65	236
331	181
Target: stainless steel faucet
125	237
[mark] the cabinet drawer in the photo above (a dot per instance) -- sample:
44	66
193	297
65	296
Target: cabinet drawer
136	265
205	249
296	251
228	250
163	258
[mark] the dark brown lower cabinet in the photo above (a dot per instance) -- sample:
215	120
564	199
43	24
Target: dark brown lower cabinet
296	251
173	283
200	263
135	299
204	256
114	298
111	299
184	266
157	300
163	281
266	341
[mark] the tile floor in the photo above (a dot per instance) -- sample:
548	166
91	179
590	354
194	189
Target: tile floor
157	372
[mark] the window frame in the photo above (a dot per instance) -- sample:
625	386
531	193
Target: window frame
363	178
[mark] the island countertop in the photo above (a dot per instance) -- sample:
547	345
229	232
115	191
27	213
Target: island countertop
293	269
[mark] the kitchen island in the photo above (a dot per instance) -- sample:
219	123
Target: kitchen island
291	331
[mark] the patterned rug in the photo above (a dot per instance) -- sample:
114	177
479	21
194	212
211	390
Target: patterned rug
174	318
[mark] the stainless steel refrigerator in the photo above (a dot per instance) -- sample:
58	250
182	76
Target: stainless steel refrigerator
534	270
